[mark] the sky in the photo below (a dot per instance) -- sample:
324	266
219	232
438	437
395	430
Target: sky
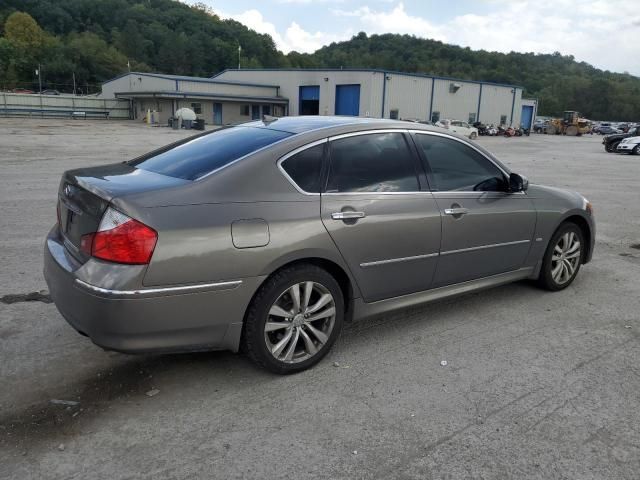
604	33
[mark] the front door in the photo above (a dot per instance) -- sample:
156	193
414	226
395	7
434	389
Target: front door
255	112
217	113
387	230
485	229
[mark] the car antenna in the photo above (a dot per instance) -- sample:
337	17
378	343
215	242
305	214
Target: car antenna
267	119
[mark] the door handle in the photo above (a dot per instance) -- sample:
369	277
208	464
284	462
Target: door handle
347	215
456	211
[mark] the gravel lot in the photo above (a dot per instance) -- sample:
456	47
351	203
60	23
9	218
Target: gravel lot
538	385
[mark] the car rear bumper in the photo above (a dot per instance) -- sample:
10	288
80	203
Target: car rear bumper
173	318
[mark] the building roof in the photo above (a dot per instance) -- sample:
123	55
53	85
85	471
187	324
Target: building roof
209	96
370	70
190	79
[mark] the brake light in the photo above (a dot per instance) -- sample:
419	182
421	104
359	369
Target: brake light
120	239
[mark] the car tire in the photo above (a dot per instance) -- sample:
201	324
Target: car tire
614	147
607	148
562	260
308	341
473	135
636	150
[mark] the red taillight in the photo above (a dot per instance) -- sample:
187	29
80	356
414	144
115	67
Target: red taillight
120	239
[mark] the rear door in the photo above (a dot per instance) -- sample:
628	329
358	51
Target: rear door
386	228
485	229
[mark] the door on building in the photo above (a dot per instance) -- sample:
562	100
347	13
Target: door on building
527	116
266	109
387	229
486	230
309	100
217	113
255	112
348	100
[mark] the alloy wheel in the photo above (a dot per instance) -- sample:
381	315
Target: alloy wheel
300	322
566	258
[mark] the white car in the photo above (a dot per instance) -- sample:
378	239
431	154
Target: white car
629	145
461	128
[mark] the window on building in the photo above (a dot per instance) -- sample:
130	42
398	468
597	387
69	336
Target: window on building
304	168
472	117
503	119
379	162
393	114
197	108
245	110
457	167
278	111
435	117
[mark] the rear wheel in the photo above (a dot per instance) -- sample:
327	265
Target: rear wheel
636	150
571	130
563	258
473	135
614	147
294	319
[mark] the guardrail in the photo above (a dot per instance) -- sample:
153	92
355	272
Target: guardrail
35	105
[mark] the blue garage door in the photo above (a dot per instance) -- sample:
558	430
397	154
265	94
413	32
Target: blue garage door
309	100
527	116
348	100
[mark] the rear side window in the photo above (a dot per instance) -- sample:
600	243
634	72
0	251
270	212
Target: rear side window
379	162
457	167
304	168
195	158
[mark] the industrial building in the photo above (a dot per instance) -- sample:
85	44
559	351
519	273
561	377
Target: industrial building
234	96
218	102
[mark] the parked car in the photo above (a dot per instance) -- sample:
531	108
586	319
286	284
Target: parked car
539	126
22	90
605	130
629	145
463	128
50	91
271	235
611	141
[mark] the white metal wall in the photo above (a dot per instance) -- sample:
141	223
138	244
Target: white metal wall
225	89
410	95
458	105
498	101
136	83
327	80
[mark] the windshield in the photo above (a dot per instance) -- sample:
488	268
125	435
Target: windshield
195	158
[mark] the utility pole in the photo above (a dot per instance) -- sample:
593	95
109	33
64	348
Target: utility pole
239	50
39	79
74	83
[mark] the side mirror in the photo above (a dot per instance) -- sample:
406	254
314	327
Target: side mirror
518	183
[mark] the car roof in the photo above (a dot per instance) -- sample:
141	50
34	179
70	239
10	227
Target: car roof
303	124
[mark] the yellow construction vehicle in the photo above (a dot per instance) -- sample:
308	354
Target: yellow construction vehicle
570	124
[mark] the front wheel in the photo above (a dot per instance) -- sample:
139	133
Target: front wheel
473	135
294	319
563	258
636	150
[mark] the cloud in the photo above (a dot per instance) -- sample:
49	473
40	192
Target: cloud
599	32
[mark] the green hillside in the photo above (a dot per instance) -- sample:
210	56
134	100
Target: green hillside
95	40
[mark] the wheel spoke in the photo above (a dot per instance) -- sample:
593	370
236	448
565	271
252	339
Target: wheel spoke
557	249
273	326
277	311
308	290
323	314
573	255
324	300
278	347
574	248
308	343
294	291
292	346
569	267
322	338
555	273
565	242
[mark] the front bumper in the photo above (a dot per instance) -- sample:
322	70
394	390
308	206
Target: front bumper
626	147
174	318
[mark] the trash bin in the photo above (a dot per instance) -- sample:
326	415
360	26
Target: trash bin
198	124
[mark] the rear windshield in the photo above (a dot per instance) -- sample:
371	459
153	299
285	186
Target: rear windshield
195	158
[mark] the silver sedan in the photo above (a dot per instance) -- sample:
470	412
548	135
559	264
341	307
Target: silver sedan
271	234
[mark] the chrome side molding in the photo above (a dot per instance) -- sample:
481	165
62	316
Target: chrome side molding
153	292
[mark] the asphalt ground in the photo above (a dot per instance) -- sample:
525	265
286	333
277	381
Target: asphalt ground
537	384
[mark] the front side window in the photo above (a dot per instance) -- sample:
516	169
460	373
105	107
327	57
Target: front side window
194	158
304	168
197	108
457	167
379	162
